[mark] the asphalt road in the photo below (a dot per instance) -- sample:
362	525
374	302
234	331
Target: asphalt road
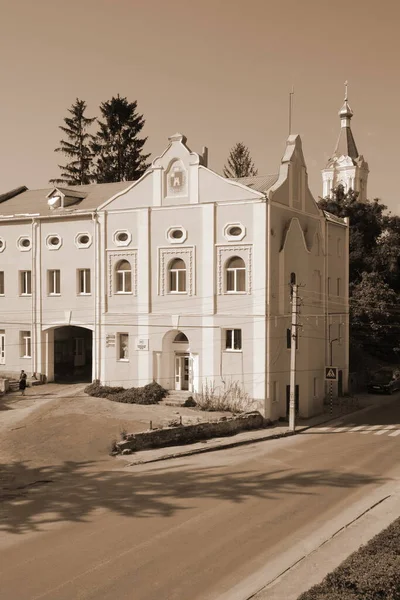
191	528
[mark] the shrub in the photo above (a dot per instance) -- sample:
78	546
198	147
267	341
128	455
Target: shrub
190	402
151	393
230	398
371	573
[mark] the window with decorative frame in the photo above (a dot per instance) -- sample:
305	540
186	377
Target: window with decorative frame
123	277
177	276
235	275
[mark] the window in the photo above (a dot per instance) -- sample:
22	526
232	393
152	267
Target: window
176	235
54	282
25	283
123	346
235	275
24	243
2	347
83	240
234	232
181	338
84	282
1	283
233	341
292	283
26	344
122	237
2	244
338	286
53	241
177	276
315	389
123	277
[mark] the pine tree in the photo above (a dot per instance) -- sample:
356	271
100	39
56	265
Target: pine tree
239	162
76	147
117	148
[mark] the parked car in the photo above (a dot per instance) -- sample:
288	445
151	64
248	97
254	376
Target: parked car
386	380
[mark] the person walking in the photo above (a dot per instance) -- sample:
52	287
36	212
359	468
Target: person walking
22	382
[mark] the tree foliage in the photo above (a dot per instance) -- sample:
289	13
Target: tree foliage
239	163
374	273
76	147
117	147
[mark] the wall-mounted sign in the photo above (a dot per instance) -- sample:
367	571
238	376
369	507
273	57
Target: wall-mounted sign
110	340
142	344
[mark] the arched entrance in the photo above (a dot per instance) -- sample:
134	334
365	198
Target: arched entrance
177	362
73	354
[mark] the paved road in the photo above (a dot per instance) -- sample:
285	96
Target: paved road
192	528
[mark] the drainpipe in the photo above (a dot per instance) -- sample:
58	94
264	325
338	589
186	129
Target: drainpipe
33	304
268	332
97	298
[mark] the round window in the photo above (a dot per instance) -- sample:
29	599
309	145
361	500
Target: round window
54	241
25	243
1	243
84	239
235	230
122	237
177	234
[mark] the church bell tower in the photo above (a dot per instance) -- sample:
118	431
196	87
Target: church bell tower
346	166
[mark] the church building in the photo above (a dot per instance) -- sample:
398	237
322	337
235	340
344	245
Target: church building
183	277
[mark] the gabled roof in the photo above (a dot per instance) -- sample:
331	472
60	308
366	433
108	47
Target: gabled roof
259	183
334	218
35	201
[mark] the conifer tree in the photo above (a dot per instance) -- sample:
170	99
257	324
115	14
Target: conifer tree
117	147
76	147
239	162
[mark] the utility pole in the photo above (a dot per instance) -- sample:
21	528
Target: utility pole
293	344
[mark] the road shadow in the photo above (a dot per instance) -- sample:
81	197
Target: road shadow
30	497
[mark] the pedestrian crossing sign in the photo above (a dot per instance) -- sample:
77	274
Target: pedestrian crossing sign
331	373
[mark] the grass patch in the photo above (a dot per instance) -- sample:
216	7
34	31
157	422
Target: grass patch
152	393
370	573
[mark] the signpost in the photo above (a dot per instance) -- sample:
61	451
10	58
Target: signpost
331	375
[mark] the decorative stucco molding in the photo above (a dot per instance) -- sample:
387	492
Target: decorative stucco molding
245	251
113	257
165	255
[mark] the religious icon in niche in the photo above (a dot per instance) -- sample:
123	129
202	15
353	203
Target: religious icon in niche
177	179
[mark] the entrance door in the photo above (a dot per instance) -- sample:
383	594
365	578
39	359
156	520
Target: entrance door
79	352
2	349
296	399
182	371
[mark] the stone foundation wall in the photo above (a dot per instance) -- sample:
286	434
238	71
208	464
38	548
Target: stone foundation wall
187	434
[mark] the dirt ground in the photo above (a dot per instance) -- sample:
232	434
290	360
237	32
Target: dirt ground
54	423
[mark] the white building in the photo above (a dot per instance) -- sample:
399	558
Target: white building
182	276
346	167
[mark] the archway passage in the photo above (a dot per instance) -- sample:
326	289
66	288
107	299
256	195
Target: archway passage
73	354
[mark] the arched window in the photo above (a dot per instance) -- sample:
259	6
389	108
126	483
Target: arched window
123	273
181	338
235	275
177	276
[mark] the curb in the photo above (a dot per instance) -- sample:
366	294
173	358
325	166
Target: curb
237	443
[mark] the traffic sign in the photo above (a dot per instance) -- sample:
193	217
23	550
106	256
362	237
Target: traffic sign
331	373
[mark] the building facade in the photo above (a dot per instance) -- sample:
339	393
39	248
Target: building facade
182	277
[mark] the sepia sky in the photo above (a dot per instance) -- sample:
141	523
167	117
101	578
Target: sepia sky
217	71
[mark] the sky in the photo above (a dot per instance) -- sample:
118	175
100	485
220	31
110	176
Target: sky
217	71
